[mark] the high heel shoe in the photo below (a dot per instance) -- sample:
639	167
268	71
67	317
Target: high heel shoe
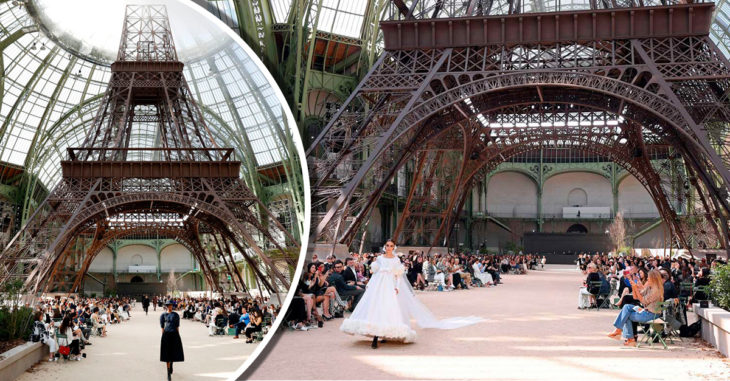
374	344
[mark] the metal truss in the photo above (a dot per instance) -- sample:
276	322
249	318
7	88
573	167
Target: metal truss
451	99
185	188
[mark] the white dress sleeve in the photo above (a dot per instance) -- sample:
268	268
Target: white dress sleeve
375	266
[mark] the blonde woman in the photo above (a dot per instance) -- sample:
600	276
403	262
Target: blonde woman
649	295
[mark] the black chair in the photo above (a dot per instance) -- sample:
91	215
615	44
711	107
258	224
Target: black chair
220	324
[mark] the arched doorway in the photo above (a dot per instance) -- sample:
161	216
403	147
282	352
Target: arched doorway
577	229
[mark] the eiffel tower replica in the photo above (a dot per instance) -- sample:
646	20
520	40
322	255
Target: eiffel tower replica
185	187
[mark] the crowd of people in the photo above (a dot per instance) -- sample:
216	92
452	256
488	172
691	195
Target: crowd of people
639	285
66	325
619	271
332	286
248	315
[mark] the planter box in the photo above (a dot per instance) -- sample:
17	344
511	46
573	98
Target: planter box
715	327
17	360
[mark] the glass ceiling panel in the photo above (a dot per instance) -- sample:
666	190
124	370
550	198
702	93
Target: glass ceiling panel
343	17
51	92
280	9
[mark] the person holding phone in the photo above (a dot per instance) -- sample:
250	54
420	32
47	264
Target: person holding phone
649	294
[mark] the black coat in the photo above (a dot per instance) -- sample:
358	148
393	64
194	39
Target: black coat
171	349
338	281
669	291
593	277
348	275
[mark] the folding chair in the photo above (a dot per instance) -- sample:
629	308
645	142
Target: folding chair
595	285
59	338
266	325
674	316
656	328
613	297
606	301
685	291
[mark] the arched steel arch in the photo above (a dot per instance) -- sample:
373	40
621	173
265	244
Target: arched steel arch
214	264
669	81
220	216
619	143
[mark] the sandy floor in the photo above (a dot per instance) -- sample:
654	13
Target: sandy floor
131	352
533	331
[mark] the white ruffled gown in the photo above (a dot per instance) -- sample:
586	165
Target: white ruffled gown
381	312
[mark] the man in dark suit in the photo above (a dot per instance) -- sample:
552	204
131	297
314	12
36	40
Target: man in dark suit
345	290
350	274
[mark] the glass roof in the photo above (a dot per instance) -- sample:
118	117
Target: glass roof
55	75
343	17
93	28
280	9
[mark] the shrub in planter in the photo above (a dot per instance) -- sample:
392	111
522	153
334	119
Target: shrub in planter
15	324
15	319
720	286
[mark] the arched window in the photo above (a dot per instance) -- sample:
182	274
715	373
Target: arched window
137	260
577	197
136	279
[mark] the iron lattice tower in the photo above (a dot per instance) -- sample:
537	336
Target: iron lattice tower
149	167
464	86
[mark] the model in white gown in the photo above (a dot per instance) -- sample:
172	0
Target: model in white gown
386	313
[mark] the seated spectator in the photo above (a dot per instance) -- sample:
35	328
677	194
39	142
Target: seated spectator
73	335
703	280
649	295
587	293
97	324
43	332
253	326
243	322
670	292
343	289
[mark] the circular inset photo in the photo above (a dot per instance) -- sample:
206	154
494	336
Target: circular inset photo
153	203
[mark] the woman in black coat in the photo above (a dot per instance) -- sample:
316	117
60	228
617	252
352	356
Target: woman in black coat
171	349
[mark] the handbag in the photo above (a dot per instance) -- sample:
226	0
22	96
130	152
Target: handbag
65	349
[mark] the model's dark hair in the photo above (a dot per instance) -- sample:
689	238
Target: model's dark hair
390	240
